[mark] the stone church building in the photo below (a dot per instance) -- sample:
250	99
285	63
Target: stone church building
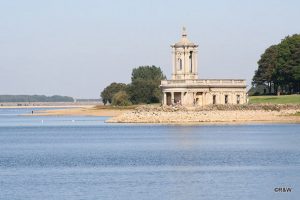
186	89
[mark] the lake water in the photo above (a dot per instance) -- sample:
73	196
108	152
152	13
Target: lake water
84	158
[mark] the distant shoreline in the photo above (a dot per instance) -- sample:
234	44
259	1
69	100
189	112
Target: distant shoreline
29	107
47	104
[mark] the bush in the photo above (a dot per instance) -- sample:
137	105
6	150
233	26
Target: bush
108	92
121	98
144	87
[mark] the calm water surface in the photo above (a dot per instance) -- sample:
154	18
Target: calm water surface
85	158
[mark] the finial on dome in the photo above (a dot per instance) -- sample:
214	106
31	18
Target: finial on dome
184	34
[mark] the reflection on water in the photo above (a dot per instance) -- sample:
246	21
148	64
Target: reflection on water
86	158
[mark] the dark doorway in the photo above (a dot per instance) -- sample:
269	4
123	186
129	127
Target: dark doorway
226	99
238	99
177	97
169	100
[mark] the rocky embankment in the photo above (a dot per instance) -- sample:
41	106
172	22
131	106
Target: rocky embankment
210	114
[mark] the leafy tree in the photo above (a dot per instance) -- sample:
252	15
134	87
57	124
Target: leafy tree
121	98
108	93
144	87
279	66
287	63
266	67
296	68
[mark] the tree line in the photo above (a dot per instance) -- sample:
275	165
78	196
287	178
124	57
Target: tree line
35	98
144	88
279	67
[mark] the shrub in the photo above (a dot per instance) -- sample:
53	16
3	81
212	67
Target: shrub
108	92
121	98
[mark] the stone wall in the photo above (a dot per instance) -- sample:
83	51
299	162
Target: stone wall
204	96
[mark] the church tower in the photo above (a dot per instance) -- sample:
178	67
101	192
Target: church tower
184	59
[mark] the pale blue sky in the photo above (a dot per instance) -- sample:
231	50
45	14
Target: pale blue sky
76	48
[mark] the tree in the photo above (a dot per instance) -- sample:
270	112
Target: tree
266	66
144	87
287	63
121	98
296	68
279	66
108	93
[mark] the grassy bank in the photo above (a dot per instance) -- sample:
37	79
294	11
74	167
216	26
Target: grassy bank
109	107
131	107
297	114
284	99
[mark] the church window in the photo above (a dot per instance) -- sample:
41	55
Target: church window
180	63
214	99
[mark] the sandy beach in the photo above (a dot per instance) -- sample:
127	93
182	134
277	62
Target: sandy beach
82	111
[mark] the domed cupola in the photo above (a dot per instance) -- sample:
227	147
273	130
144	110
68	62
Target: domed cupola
184	41
184	59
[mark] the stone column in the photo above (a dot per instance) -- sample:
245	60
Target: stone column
196	63
172	98
184	63
187	61
174	63
181	99
194	99
165	99
193	63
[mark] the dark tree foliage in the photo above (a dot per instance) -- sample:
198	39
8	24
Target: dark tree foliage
108	93
279	66
144	87
266	67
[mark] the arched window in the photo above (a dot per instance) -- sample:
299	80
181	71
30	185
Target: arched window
191	61
180	63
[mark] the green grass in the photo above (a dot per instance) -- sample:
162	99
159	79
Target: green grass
109	107
284	99
297	114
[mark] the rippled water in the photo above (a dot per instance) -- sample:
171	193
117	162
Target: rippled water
85	158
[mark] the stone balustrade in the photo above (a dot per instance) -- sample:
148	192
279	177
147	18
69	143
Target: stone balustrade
204	82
